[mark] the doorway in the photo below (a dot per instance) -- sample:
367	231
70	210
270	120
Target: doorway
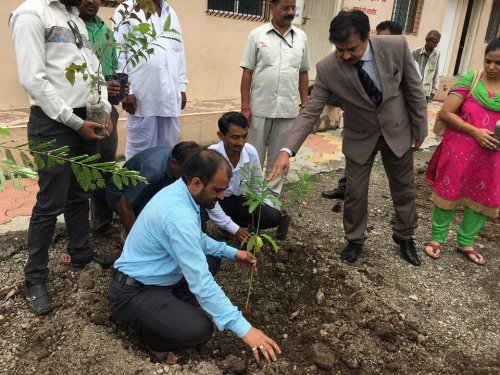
316	19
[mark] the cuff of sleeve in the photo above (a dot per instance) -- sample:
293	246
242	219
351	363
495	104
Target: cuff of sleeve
74	122
182	87
229	252
288	151
240	327
232	228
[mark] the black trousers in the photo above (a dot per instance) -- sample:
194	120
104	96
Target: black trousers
101	215
168	316
59	193
234	208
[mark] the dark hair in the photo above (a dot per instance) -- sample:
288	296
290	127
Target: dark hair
393	26
204	165
493	45
232	118
274	2
349	22
433	34
183	150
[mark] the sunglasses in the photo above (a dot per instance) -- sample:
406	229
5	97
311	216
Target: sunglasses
76	34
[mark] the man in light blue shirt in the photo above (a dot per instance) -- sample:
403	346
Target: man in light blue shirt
167	266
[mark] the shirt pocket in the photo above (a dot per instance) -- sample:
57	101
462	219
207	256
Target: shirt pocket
292	57
267	55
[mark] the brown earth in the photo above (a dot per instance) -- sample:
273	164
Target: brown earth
378	316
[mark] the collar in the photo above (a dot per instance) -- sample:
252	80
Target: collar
269	27
368	55
422	51
244	156
98	21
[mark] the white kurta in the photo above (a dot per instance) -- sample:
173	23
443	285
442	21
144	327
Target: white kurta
158	81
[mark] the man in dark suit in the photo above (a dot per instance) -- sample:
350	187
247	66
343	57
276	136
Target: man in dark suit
385	110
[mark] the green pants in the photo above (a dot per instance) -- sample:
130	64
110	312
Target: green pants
469	228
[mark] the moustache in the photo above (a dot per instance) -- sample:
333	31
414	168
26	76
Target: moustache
290	18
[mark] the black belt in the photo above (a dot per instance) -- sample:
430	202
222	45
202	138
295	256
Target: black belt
126	280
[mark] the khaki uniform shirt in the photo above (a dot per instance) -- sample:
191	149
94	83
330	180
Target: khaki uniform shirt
276	62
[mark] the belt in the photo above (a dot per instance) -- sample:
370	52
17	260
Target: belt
81	111
126	280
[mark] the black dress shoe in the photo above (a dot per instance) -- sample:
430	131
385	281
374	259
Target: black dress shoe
337	193
408	251
37	298
351	251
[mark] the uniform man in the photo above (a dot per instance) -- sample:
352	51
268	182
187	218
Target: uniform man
427	58
274	81
48	36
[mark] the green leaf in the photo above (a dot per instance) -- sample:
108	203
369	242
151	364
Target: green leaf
117	181
9	155
2	180
168	23
26	160
271	241
143	28
251	244
253	206
70	76
40	164
4	132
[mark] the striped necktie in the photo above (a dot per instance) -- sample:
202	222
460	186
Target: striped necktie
371	89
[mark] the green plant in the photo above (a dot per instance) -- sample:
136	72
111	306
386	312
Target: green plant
297	189
138	44
256	192
88	170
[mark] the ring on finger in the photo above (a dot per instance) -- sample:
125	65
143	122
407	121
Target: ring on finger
262	347
254	349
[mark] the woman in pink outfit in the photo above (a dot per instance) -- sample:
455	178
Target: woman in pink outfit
465	169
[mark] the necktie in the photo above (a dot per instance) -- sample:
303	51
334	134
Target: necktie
371	90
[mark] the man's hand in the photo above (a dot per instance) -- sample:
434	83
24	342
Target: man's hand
247	113
246	260
113	88
109	125
130	104
183	100
241	234
416	143
258	341
87	131
281	165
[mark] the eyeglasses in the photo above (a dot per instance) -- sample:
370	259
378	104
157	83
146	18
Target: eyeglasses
76	34
287	9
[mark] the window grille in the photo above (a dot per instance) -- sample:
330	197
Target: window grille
493	29
408	13
253	10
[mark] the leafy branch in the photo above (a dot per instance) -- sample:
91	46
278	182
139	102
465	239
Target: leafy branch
256	191
88	171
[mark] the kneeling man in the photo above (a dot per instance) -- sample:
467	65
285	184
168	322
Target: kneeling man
167	267
230	214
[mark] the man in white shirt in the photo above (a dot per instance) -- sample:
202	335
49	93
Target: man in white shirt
48	36
275	64
157	84
230	214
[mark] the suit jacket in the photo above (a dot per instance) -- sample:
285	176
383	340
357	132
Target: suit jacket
401	117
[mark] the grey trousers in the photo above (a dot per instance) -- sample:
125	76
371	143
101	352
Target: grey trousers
400	174
267	135
101	215
59	193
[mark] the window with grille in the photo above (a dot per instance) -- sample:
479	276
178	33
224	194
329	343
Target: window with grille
241	9
408	13
493	29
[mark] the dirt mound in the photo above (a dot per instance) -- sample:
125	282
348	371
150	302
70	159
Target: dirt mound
378	316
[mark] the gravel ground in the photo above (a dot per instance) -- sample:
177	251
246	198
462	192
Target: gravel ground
378	316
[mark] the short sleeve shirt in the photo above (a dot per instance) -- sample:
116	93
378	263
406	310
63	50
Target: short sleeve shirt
276	62
155	164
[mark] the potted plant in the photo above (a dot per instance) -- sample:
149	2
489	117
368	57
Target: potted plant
139	43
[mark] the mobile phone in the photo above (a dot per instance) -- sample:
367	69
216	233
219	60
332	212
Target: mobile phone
497	134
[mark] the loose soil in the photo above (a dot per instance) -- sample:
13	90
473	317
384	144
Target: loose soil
378	316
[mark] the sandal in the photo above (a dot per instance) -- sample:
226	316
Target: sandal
433	250
472	255
66	259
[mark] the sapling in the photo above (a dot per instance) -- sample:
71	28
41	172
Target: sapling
299	188
256	191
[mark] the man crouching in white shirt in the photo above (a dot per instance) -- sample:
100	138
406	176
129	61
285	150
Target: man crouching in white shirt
230	214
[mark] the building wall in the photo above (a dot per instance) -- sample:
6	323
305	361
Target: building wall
214	45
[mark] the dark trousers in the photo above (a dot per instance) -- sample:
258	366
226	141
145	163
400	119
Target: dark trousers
233	207
399	171
101	215
59	193
168	316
